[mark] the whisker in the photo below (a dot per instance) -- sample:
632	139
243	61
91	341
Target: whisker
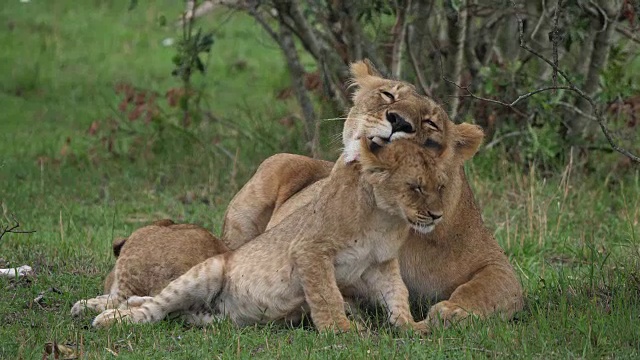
334	119
334	141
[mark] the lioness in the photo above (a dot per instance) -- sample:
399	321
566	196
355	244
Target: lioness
459	263
345	239
149	259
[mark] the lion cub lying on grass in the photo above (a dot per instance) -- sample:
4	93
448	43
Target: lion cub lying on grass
346	239
149	260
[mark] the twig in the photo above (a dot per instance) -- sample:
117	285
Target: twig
297	77
497	140
398	33
416	66
12	229
571	87
459	54
472	95
576	110
555	36
542	15
626	32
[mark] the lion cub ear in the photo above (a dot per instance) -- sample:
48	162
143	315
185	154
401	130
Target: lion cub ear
118	243
468	138
164	222
371	164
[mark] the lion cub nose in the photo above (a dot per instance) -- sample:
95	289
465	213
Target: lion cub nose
435	216
398	123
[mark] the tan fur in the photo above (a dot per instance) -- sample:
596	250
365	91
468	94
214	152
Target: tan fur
459	262
150	259
324	248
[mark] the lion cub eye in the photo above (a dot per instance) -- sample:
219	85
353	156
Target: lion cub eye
416	188
430	124
387	96
440	188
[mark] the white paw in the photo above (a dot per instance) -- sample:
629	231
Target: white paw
113	316
78	308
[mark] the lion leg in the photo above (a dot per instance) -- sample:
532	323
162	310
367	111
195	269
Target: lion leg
199	285
493	290
321	292
135	301
101	303
385	286
277	179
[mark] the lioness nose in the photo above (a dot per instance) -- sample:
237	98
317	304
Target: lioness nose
398	123
435	216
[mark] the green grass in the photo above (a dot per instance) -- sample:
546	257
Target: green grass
573	238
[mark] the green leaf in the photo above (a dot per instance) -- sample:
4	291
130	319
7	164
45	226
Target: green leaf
199	64
133	4
176	59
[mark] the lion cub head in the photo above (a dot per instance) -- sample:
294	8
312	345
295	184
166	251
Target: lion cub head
385	110
406	181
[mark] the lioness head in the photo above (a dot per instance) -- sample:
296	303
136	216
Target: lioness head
385	110
406	181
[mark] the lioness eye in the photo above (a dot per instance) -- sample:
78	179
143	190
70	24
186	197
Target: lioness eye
430	123
440	188
416	188
387	96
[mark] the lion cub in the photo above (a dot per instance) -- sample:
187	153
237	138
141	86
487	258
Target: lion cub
346	239
150	259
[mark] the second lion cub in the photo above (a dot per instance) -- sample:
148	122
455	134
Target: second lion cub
346	240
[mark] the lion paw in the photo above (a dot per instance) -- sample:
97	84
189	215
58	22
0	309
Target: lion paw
337	326
445	313
97	304
421	327
113	316
78	308
135	301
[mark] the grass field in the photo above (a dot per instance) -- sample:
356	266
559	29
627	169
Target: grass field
572	237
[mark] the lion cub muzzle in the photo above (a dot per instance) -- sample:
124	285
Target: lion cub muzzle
425	223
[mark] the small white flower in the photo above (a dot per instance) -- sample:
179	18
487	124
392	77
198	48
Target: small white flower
167	42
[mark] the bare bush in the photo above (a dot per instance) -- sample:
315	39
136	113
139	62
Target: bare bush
472	54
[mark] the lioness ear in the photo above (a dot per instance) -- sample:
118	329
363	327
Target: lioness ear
362	73
363	68
468	138
368	159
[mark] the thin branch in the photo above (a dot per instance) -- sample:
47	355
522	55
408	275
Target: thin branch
572	87
555	36
297	77
13	229
254	13
398	34
458	59
497	140
542	15
470	94
626	32
576	110
416	65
